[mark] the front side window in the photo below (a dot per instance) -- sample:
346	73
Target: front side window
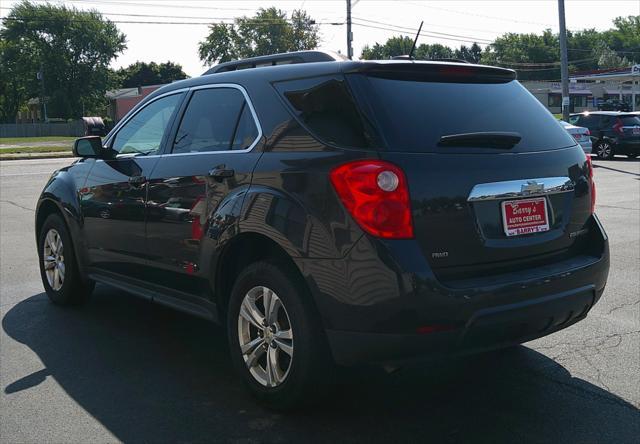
216	119
143	133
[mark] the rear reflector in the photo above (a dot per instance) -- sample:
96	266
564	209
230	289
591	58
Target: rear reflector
376	195
426	329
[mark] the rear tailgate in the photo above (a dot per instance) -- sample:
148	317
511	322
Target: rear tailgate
462	196
457	203
630	126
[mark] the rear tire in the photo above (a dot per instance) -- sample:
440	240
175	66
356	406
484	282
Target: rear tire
285	362
604	150
58	267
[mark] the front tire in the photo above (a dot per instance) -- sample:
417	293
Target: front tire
275	338
58	267
604	150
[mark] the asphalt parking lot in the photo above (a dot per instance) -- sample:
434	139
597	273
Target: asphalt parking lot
122	369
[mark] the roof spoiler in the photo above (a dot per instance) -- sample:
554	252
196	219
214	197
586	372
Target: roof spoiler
430	71
277	59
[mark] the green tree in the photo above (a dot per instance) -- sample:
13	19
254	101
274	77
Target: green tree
17	78
401	45
394	46
434	51
607	58
143	74
268	32
74	49
470	54
624	37
536	56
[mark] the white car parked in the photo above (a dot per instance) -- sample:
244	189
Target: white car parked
580	134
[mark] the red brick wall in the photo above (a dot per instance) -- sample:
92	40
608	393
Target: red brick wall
125	104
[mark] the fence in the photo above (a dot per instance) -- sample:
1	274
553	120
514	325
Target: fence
71	129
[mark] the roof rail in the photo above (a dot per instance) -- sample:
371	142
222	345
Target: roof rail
277	59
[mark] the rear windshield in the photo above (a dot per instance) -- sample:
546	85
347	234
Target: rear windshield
411	116
630	120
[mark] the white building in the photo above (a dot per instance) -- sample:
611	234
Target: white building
586	90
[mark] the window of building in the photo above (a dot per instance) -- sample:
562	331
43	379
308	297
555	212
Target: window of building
578	101
555	100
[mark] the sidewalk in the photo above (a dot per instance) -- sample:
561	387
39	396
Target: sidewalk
22	156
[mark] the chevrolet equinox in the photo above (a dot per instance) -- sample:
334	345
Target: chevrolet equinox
330	211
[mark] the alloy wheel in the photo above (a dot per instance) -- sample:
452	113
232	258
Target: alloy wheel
265	336
604	150
53	259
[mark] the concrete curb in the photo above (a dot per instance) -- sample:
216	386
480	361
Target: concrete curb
26	156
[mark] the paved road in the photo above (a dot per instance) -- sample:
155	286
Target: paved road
121	369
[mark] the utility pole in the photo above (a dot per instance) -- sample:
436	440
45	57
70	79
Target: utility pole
40	76
564	63
349	33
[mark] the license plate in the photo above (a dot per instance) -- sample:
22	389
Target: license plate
525	216
636	130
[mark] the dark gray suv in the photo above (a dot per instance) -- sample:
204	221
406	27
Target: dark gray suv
334	212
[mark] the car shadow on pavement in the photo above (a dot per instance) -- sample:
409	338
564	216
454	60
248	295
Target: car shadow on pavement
149	374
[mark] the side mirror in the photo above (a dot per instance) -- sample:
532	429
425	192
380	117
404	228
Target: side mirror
90	146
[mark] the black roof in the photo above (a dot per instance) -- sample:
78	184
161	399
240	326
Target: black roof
274	73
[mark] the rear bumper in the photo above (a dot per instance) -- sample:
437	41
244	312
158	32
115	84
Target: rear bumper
628	147
487	329
375	301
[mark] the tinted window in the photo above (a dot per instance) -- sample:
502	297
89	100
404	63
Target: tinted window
144	132
246	131
590	122
211	120
606	121
327	109
630	120
413	115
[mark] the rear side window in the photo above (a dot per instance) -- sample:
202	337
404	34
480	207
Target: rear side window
246	131
325	106
412	115
216	119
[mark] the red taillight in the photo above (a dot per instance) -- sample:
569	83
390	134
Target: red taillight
587	133
377	196
618	126
592	184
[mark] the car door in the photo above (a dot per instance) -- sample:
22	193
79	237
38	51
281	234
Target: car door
197	189
113	200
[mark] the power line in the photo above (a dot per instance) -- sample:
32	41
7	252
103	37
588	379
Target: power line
407	32
438	26
138	22
526	64
432	33
152	5
505	19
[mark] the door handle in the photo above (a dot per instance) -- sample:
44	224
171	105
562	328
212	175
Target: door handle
137	180
220	173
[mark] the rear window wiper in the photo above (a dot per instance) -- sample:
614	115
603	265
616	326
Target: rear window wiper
493	139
